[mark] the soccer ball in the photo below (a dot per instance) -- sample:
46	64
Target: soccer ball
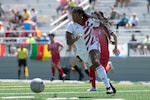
37	85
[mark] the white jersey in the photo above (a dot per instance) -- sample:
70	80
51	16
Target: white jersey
75	29
91	41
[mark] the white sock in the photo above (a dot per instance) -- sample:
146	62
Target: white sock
101	73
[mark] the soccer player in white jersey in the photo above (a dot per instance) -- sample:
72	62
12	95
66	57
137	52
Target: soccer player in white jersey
79	32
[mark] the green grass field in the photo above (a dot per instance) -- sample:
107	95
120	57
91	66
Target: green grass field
73	90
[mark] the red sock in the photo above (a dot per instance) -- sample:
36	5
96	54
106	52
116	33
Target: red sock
60	71
92	77
53	71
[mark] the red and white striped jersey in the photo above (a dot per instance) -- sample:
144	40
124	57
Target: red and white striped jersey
89	37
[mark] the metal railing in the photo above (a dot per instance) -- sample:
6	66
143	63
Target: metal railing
65	15
82	4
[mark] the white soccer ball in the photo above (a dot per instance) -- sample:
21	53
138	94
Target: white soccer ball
37	85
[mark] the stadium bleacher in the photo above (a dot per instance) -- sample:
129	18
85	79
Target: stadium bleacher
47	14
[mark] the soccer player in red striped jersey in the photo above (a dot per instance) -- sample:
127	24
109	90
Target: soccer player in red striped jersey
102	36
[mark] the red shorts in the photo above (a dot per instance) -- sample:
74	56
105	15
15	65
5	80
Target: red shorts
104	60
56	60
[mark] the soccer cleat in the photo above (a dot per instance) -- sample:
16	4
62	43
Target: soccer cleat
52	78
109	90
81	77
113	88
92	89
64	77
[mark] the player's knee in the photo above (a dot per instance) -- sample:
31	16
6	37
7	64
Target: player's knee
95	63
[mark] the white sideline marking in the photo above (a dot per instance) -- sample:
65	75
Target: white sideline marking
72	98
18	97
74	92
71	81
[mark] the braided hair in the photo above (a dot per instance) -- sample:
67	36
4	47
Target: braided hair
103	22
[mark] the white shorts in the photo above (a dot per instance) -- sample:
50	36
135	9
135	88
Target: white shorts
84	54
94	46
85	57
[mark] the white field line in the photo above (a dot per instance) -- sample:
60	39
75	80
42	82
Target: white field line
73	81
78	98
109	99
127	91
18	97
13	86
72	98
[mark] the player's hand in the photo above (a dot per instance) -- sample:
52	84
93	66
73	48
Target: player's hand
78	36
115	50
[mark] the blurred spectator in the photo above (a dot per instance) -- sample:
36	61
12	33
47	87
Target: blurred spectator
11	47
145	46
30	27
62	4
114	13
123	21
92	3
30	39
11	32
19	19
78	1
34	15
133	21
148	6
133	43
11	17
1	10
1	29
65	10
23	32
26	14
44	39
13	51
14	18
38	39
121	3
71	4
33	31
15	32
146	43
8	32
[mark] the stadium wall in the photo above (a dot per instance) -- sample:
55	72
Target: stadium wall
126	69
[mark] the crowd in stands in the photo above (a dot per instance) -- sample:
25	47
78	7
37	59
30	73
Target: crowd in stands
140	48
16	19
16	28
121	3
